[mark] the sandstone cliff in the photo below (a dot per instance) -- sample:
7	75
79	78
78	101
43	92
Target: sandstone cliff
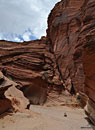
65	24
71	31
89	69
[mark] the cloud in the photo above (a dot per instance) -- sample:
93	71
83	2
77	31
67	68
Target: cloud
26	36
17	16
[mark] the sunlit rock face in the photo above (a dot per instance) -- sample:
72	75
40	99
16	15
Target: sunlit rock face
71	30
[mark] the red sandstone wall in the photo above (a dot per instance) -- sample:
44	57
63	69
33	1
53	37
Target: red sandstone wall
71	30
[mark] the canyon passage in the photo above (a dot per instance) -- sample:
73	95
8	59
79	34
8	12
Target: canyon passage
49	83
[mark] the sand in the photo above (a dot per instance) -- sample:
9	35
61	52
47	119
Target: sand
46	118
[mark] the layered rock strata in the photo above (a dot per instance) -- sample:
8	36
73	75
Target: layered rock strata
32	66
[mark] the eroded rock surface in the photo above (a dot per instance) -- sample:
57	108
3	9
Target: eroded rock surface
32	66
18	101
65	24
71	31
25	61
10	96
89	69
5	103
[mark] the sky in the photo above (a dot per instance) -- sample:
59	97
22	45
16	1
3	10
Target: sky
24	20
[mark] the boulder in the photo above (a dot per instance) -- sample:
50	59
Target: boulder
18	100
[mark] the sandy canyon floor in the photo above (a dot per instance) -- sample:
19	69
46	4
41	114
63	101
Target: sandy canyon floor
47	117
